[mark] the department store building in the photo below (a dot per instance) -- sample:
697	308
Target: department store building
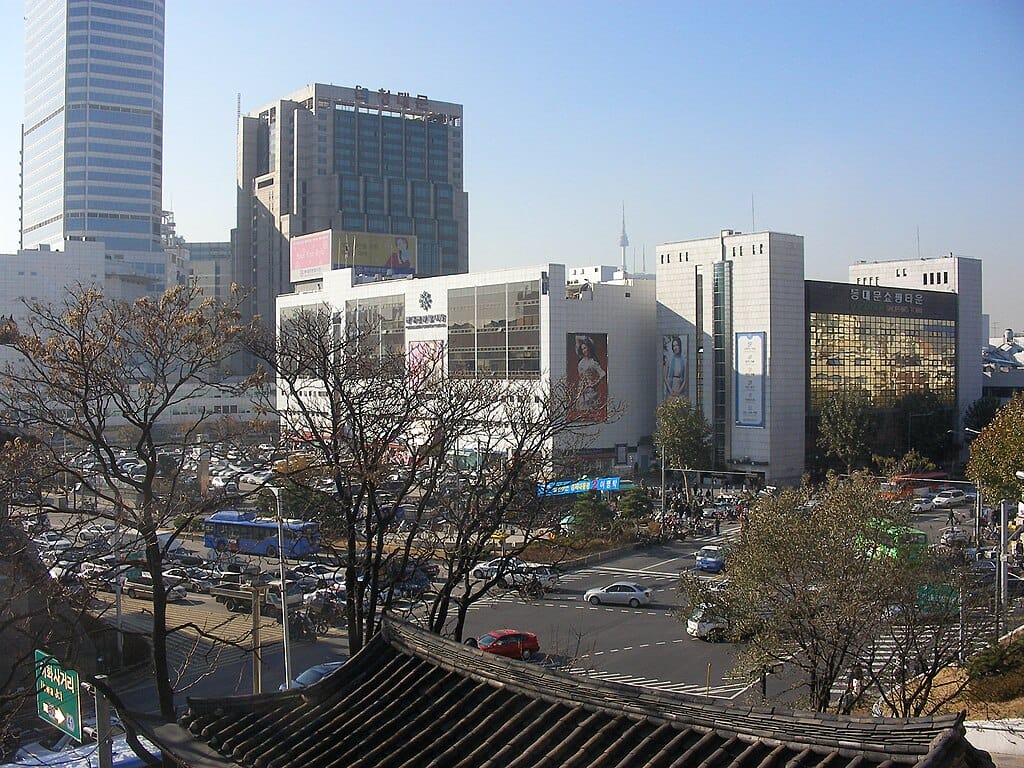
520	324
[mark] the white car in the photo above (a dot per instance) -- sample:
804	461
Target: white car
52	541
489	569
257	478
620	593
96	532
951	498
705	625
923	504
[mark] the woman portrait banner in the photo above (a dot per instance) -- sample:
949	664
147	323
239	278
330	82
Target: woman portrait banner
586	370
674	351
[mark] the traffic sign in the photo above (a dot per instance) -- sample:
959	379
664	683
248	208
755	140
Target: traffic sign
57	699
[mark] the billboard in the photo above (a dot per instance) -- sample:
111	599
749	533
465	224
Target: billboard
375	254
750	360
313	255
674	366
310	256
586	371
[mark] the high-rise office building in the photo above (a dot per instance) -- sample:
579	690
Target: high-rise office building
92	138
355	161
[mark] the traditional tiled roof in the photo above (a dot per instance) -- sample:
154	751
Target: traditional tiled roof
411	698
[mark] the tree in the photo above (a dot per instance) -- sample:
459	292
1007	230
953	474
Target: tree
591	514
908	463
88	363
997	454
818	586
387	433
845	426
926	423
980	413
636	504
680	435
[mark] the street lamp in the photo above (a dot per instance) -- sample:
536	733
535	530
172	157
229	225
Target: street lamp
284	590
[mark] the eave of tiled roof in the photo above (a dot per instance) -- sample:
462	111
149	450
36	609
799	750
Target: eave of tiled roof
415	699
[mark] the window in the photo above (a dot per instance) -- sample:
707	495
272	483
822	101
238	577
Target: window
945	277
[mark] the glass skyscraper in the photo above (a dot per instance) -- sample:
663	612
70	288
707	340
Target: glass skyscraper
354	160
92	139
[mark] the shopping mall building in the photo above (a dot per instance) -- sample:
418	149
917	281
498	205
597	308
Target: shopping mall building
730	323
526	324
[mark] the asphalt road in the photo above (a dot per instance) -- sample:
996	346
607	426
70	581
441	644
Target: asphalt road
643	646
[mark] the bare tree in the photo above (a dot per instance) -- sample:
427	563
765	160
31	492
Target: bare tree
383	428
89	364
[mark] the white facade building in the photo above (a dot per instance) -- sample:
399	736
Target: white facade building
732	339
954	274
524	324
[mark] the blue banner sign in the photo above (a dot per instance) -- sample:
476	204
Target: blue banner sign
585	485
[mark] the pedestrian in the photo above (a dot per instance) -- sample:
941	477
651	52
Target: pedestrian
718	526
952	518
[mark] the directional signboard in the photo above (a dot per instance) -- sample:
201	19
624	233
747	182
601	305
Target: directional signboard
57	699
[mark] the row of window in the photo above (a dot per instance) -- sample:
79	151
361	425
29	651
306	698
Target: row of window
684	256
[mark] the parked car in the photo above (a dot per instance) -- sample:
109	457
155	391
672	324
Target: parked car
193	578
314	674
183	556
51	540
953	497
321	574
512	643
923	504
711	559
140	587
620	593
95	531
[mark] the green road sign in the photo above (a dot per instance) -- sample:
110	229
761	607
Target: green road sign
57	699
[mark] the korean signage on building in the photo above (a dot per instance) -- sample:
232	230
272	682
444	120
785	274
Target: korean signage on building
876	300
750	365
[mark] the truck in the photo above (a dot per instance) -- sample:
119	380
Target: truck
235	591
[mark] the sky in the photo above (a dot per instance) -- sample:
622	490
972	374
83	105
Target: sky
876	130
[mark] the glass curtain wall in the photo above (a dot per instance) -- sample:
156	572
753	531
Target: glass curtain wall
494	331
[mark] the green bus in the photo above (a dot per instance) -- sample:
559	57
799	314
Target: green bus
887	539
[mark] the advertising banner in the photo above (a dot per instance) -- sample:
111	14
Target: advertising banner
585	485
310	256
586	371
674	367
750	365
374	253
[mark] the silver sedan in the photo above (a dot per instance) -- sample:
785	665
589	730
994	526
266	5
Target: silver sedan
620	593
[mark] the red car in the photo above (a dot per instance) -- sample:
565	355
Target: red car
508	642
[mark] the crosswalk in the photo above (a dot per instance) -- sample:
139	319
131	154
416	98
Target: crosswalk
885	651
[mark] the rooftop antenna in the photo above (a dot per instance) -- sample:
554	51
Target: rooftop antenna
623	239
919	241
752	227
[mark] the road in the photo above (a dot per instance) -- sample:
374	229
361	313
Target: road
645	646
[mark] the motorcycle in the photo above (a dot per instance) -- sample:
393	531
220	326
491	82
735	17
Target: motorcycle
302	627
531	590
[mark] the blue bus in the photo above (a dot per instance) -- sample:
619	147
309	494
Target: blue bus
235	531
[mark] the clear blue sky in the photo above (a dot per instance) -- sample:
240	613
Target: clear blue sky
853	124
